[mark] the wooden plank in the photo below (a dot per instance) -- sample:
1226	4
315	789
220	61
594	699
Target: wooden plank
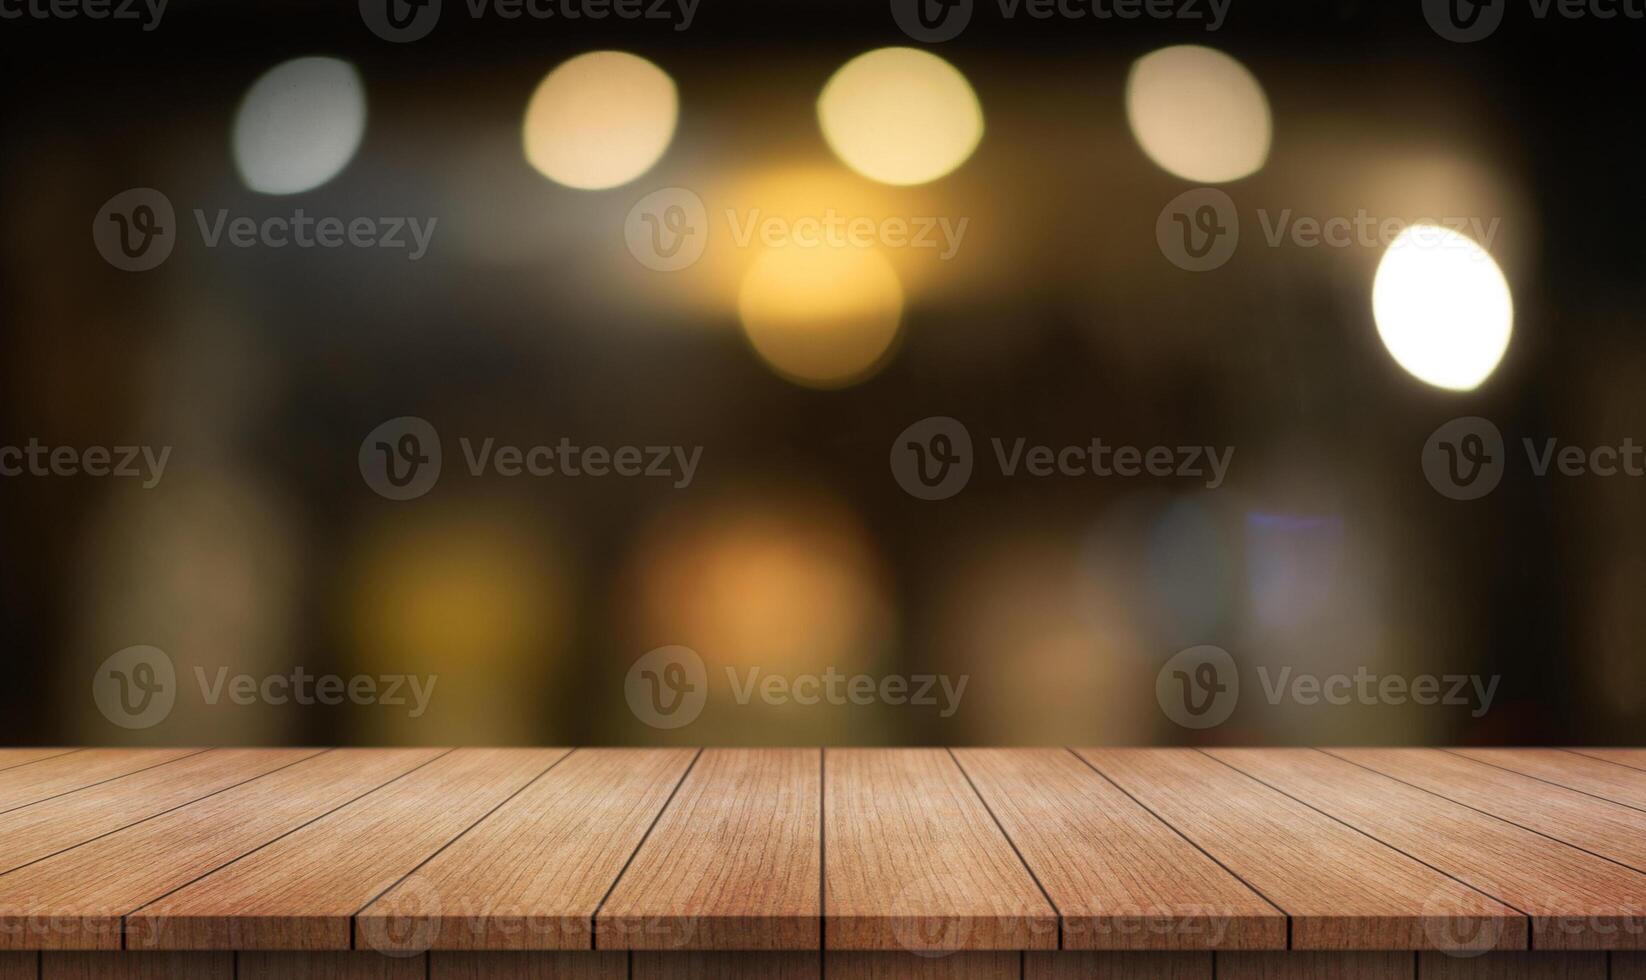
42	780
12	758
1342	889
913	966
1117	966
137	966
1513	966
1633	758
1576	900
531	876
19	966
913	860
1118	876
733	863
1608	829
302	891
1628	966
1620	784
75	900
34	832
329	966
1315	965
528	966
727	966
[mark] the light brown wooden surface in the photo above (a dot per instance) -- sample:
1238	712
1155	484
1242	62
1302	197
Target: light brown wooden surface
1117	966
49	777
1608	829
76	899
499	965
1342	889
1633	758
734	863
762	965
911	966
33	832
302	891
137	966
913	859
1118	876
11	758
329	966
1576	900
1513	966
1316	966
533	874
1607	780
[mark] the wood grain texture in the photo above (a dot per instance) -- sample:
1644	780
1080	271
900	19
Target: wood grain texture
913	860
54	776
302	891
329	966
1117	966
1119	877
75	900
1628	966
1576	900
1513	966
727	966
528	966
1316	966
1608	780
909	966
19	966
12	758
733	863
42	829
1608	829
137	966
1633	758
1342	889
532	875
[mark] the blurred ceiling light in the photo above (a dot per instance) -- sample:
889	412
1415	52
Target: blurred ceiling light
600	120
1198	114
1442	307
299	125
900	116
821	316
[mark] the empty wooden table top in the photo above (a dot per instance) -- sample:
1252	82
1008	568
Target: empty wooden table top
849	851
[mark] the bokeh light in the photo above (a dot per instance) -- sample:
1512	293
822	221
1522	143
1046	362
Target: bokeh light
822	316
900	116
600	120
1198	114
1442	307
299	125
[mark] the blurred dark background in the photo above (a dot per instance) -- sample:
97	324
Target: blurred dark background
794	548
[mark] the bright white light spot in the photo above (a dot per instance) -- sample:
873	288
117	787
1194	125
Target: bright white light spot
299	125
600	120
1198	113
1442	307
900	116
